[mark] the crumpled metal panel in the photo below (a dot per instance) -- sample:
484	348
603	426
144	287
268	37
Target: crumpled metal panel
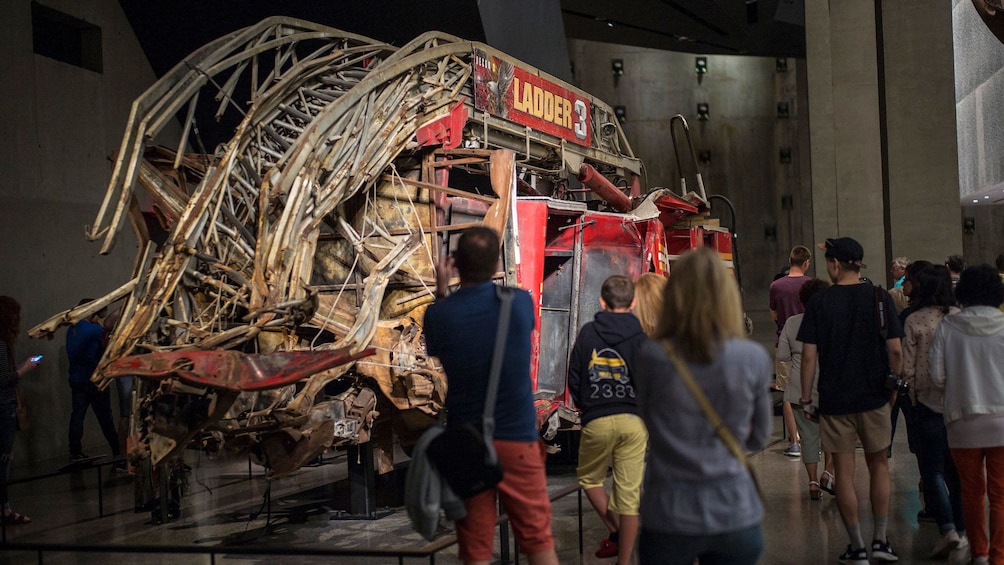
233	370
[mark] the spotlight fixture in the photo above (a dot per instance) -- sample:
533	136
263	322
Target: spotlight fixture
703	111
701	65
621	113
781	64
617	68
785	155
704	156
782	110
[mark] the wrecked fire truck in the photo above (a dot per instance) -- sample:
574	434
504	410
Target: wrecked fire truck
280	309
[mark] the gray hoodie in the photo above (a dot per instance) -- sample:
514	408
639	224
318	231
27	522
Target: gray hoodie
967	361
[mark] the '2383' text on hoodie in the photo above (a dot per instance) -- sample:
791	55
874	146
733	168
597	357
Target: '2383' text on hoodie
599	372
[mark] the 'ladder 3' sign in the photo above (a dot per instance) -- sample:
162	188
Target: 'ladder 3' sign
507	91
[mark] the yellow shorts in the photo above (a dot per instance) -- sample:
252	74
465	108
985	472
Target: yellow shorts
617	441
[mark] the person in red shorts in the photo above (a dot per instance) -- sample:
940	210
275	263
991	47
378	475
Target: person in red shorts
459	330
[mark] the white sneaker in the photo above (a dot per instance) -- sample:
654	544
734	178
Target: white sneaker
945	545
960	555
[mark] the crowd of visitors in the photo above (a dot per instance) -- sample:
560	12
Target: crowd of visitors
673	395
672	390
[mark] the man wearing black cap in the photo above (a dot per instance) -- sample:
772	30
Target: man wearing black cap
853	330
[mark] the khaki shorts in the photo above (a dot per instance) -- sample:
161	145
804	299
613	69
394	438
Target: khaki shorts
839	434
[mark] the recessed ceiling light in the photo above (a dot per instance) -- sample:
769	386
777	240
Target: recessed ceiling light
975	201
987	197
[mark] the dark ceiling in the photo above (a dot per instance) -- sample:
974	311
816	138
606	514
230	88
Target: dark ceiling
771	28
168	31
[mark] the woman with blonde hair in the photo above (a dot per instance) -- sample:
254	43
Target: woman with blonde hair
648	293
699	501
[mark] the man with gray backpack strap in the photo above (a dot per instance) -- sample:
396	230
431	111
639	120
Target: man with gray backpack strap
460	331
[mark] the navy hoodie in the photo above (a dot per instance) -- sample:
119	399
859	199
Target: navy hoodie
599	372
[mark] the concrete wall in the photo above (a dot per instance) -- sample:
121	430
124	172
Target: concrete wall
915	212
845	135
743	134
979	88
923	160
529	30
58	124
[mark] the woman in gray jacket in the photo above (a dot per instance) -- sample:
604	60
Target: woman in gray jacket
967	360
698	500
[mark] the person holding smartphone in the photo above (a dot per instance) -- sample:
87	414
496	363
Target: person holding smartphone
10	375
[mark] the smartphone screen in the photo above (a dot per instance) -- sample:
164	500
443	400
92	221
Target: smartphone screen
36	358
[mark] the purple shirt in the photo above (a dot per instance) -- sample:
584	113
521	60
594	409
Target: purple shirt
784	299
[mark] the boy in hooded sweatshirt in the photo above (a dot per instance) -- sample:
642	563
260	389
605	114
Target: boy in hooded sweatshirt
601	384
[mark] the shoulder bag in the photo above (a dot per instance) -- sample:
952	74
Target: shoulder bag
709	411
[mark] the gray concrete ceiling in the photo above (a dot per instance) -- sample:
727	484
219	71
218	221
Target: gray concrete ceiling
773	28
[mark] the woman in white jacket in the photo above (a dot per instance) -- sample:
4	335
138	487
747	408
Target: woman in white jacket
967	360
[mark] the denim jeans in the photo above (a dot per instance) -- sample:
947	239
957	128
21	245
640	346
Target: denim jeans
742	547
8	427
84	395
942	489
903	405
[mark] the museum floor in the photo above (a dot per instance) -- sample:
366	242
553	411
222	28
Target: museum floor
217	516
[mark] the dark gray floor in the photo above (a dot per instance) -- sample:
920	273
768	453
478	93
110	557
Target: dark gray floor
218	511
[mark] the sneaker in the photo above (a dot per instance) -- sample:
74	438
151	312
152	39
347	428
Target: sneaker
854	556
960	554
74	457
882	551
793	450
945	545
607	548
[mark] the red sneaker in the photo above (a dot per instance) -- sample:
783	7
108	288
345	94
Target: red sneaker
607	548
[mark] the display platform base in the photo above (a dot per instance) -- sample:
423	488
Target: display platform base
81	463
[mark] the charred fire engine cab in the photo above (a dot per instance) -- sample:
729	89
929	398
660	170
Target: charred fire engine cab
561	247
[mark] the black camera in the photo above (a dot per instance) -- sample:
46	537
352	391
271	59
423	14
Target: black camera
894	382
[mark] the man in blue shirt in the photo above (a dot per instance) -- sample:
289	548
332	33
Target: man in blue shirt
460	330
84	347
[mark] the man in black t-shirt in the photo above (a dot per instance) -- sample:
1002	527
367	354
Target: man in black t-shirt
853	331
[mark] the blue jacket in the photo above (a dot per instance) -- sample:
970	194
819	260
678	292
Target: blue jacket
84	347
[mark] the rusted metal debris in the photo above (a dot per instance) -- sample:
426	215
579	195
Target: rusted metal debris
315	228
